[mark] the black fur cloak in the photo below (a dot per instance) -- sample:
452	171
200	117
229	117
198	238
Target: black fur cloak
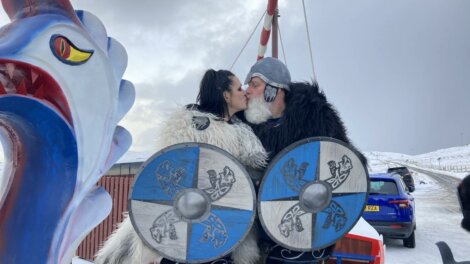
307	114
464	196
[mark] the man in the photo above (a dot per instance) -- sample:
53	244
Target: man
282	112
464	198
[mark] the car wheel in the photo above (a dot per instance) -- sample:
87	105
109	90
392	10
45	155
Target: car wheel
410	241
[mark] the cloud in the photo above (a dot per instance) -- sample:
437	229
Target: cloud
170	45
396	71
165	39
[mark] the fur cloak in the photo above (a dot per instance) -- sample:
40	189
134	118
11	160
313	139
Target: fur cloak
464	197
307	114
190	125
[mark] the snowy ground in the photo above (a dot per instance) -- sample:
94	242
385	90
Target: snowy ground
438	218
438	213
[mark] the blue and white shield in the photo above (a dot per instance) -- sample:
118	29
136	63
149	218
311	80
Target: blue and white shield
312	194
192	203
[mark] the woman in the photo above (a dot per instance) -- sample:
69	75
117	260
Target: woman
211	121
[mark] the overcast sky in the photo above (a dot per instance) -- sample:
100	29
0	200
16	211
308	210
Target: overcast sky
397	71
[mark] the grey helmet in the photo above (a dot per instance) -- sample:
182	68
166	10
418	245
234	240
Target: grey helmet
272	71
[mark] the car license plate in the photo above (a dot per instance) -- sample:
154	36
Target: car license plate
372	208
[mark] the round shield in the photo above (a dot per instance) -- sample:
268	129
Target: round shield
192	203
312	193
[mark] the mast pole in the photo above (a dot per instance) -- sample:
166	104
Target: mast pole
266	31
274	30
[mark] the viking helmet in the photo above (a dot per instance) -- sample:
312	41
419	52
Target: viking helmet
272	71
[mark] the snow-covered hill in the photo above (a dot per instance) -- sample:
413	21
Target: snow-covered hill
453	161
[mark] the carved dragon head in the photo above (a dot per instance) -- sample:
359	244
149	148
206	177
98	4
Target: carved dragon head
61	98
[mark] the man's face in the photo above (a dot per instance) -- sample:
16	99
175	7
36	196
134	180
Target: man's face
255	88
258	110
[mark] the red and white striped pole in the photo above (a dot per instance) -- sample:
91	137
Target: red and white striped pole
268	21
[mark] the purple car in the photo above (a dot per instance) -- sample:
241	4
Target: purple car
390	208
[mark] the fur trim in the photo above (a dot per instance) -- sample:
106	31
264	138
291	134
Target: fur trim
247	252
307	114
464	196
237	139
125	247
466	220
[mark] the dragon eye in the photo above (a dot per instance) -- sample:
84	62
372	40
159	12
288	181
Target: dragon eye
64	50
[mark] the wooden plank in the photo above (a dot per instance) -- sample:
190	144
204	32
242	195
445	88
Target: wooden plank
120	201
108	225
118	187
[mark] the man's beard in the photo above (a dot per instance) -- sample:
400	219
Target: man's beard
257	111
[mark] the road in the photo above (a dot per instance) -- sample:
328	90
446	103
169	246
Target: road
449	183
438	218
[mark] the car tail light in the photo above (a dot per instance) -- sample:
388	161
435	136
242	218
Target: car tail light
401	203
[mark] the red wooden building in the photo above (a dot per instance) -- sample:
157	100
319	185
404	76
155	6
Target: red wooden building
117	182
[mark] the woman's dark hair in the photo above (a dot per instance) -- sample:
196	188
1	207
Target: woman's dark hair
211	89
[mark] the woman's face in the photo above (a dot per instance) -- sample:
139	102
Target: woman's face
236	98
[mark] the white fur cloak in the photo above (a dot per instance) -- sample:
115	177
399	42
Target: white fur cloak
125	246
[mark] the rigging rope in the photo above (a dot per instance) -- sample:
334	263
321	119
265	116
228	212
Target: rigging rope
282	44
248	40
309	44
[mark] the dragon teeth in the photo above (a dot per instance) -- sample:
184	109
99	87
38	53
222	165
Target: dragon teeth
14	80
21	88
10	67
2	89
39	93
34	76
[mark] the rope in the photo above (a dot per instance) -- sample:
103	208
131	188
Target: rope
282	44
309	44
248	40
